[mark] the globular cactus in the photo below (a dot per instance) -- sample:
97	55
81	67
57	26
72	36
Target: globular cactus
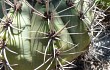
47	35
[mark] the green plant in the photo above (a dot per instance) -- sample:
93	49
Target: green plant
46	35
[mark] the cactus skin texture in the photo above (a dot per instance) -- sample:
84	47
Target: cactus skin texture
50	38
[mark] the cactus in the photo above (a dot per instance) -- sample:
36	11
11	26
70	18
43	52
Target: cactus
46	35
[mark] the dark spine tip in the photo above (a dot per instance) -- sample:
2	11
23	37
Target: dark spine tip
47	15
69	3
42	2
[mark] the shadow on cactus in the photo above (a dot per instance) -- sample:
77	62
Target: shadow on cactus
48	35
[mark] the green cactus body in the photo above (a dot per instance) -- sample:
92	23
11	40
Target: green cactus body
80	41
54	36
